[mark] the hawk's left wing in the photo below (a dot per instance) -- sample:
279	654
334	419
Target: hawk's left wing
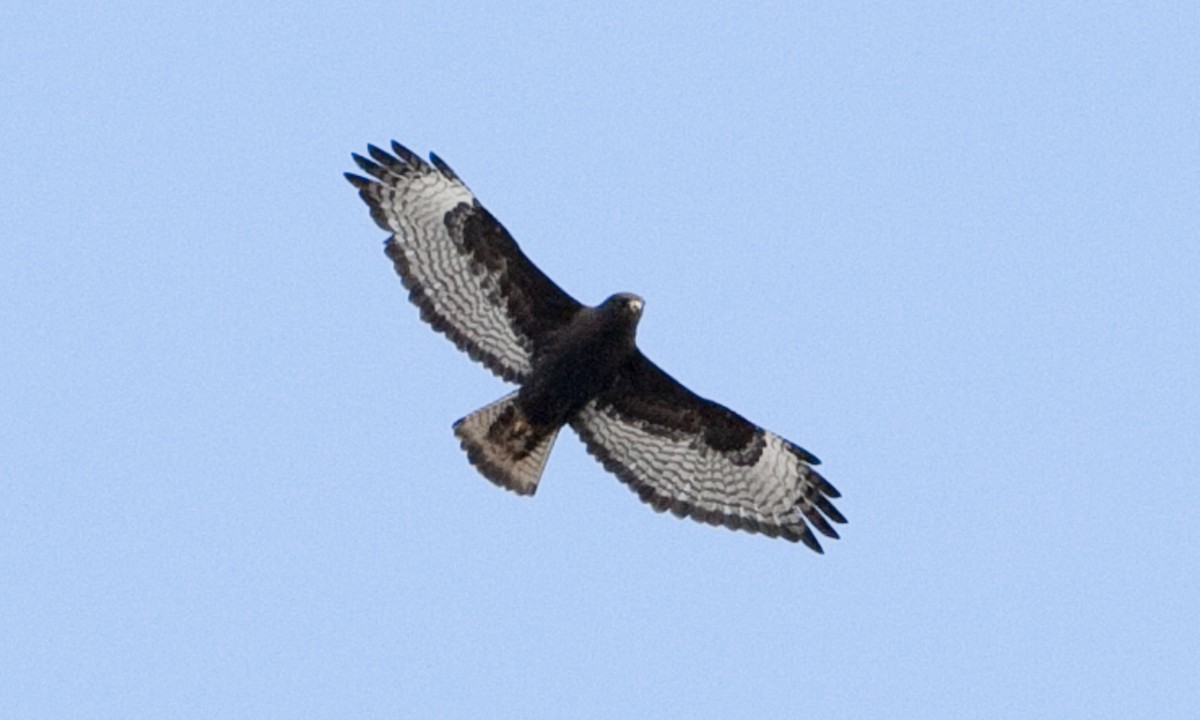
698	459
460	265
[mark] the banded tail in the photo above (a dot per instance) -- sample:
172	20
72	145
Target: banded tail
504	446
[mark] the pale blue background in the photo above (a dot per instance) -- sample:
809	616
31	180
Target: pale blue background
951	248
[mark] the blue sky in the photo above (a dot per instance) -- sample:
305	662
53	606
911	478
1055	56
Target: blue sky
950	248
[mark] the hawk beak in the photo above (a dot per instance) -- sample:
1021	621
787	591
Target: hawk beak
637	304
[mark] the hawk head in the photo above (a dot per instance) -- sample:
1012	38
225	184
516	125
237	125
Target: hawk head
625	305
621	313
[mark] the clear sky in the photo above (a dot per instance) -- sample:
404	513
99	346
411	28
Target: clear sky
953	249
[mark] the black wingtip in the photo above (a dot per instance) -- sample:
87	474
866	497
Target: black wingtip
811	541
357	181
797	532
408	156
371	168
816	520
830	511
442	167
383	158
825	486
806	456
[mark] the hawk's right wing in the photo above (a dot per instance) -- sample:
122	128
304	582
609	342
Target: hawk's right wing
461	267
698	459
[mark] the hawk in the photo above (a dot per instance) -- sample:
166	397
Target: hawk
579	366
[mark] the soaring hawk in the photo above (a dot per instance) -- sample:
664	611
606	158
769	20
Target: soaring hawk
579	366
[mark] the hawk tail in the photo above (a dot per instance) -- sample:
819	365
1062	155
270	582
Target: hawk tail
504	446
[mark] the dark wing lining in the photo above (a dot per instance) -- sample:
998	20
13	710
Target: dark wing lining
698	459
461	267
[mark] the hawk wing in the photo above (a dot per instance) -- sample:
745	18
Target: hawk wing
461	267
698	459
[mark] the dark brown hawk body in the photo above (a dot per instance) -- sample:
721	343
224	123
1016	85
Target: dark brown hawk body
577	366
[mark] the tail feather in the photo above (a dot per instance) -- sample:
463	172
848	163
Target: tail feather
504	446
